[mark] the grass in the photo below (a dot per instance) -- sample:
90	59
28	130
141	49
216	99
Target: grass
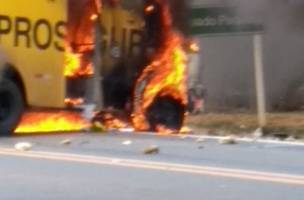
244	123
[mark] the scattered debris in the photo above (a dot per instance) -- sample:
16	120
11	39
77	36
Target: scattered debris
258	133
112	120
23	146
200	147
200	140
291	139
228	140
152	150
66	142
127	142
183	136
128	130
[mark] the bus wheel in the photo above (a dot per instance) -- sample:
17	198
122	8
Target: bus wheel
11	107
166	112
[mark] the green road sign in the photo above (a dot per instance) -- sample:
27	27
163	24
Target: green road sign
217	20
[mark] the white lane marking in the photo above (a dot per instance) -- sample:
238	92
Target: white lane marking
161	166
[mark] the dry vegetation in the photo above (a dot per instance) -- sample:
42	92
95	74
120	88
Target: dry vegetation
277	123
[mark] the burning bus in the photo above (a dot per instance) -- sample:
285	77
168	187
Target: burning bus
48	52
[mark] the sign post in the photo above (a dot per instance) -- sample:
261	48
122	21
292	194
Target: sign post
224	20
219	20
97	78
259	79
94	87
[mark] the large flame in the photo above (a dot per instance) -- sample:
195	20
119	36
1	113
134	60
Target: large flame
75	67
80	38
51	122
165	76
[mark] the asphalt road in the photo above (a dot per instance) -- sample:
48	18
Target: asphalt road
113	166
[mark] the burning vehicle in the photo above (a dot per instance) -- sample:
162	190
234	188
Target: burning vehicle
48	60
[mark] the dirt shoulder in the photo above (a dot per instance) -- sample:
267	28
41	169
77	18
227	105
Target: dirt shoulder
278	124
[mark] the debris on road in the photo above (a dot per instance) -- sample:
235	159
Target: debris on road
23	146
128	130
66	142
228	140
127	142
200	147
200	140
258	133
291	139
183	136
152	150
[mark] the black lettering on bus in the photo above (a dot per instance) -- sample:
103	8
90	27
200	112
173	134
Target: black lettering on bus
135	43
60	29
22	30
5	25
40	25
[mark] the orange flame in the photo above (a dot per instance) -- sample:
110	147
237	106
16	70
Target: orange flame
80	38
93	17
112	119
149	9
75	67
111	122
194	47
162	130
165	76
51	122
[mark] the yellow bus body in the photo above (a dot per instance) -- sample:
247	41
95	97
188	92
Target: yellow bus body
32	41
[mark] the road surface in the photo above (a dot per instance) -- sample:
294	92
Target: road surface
113	166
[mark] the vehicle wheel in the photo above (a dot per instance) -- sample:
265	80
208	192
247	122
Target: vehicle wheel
11	107
167	112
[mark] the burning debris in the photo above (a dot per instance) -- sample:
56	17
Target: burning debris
112	120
